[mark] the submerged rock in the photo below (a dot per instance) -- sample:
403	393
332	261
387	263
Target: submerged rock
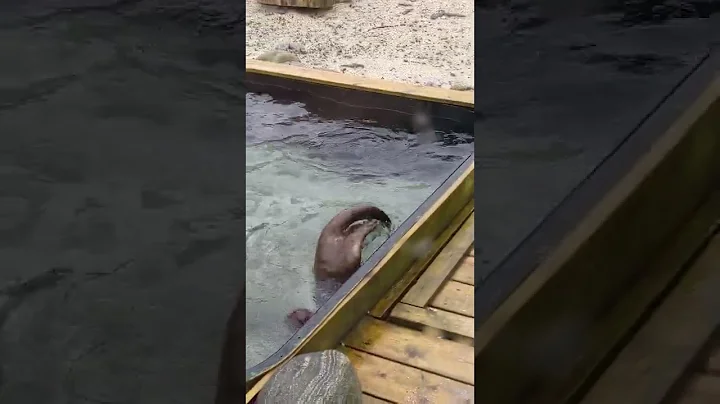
314	378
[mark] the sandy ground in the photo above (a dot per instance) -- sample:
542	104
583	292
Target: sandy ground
401	40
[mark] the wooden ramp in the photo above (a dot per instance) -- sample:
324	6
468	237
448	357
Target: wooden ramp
416	345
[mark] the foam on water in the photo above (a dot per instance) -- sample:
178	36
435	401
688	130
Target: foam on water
301	171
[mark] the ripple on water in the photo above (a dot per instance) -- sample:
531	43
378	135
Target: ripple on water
301	170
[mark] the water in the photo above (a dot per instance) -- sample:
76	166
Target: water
302	170
120	210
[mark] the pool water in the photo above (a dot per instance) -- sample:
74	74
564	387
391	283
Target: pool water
301	170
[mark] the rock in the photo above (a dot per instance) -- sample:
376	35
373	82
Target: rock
314	378
461	87
290	47
437	14
278	57
353	66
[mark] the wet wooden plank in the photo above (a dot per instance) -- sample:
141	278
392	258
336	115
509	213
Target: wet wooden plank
383	307
663	350
457	298
367	399
465	271
702	389
439	270
395	382
410	347
440	319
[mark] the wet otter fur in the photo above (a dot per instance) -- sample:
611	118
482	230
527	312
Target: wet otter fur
339	252
337	257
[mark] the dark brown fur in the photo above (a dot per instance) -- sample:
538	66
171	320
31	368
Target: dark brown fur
339	252
337	257
339	248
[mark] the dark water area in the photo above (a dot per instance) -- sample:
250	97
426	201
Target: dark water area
120	204
302	169
562	84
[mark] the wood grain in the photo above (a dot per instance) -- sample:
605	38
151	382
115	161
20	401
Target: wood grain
457	298
439	270
403	384
396	292
432	317
414	348
465	271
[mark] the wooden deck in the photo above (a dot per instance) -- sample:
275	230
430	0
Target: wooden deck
674	357
703	385
416	345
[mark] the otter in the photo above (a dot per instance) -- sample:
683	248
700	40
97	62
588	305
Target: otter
339	252
337	257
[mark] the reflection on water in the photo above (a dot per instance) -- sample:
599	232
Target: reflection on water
300	172
120	210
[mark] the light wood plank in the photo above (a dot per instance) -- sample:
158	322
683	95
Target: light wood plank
414	348
457	298
386	303
439	270
702	389
662	351
402	384
431	94
465	271
366	399
471	252
440	319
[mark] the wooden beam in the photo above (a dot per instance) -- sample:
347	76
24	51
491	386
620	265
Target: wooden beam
432	317
441	267
413	348
431	94
397	291
393	381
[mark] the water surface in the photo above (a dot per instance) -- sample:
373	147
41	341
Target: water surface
120	210
302	170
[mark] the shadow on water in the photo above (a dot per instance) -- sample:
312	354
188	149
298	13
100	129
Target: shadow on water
302	168
119	204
